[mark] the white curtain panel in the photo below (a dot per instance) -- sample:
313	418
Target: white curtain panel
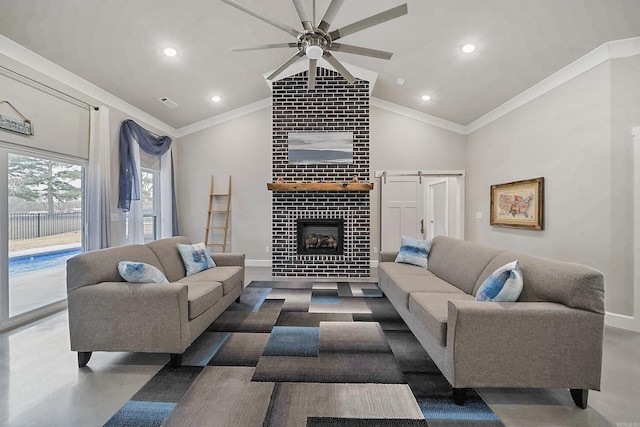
98	181
166	195
134	225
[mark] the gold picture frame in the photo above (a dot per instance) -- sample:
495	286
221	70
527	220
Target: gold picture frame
518	204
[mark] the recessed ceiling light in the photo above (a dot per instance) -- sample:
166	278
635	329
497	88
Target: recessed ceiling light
215	98
426	98
399	81
170	51
468	48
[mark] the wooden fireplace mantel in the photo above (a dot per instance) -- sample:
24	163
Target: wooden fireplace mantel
320	186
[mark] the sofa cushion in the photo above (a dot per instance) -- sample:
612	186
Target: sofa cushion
201	296
431	310
573	285
230	277
99	266
462	263
140	272
503	285
195	257
400	286
167	252
414	252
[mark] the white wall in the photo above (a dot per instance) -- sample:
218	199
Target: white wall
60	125
625	113
575	137
241	148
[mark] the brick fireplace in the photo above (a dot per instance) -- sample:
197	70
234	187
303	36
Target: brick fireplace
334	106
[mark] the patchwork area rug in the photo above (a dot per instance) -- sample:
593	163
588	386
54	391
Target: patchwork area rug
308	354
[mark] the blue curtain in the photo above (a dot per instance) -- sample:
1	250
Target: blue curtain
129	184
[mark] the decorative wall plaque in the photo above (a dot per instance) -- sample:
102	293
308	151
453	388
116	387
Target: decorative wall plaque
15	125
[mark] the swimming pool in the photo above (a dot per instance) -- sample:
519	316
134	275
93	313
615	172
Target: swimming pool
33	262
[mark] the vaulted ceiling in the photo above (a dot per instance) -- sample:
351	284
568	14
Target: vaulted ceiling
118	45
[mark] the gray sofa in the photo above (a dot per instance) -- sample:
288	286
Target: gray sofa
108	314
550	338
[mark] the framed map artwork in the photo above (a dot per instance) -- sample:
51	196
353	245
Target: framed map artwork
518	204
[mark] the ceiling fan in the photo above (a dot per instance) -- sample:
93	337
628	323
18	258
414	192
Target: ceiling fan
316	42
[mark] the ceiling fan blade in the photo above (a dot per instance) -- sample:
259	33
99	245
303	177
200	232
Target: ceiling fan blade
284	66
357	50
264	46
370	21
339	67
303	14
311	78
245	9
330	14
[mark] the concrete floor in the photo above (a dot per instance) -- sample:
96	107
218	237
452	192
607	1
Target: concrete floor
40	384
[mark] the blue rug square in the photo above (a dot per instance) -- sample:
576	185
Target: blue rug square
445	408
141	414
293	341
372	293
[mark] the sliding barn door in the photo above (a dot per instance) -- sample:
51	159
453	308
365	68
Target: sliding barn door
402	207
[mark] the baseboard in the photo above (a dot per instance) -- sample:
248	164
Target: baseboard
622	321
257	263
25	319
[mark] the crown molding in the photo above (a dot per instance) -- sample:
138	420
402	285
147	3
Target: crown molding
37	63
417	115
605	52
224	117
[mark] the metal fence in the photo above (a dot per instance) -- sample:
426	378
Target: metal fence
32	225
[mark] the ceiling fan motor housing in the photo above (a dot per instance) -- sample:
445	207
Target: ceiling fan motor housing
313	43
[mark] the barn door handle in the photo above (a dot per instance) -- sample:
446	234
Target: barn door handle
422	226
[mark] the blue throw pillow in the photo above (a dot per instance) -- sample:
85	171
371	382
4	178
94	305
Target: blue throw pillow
196	258
503	285
139	272
414	251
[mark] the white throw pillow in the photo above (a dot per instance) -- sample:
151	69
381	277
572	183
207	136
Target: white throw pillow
196	258
503	285
139	272
414	251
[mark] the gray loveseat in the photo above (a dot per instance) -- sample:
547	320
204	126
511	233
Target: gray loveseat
108	314
550	338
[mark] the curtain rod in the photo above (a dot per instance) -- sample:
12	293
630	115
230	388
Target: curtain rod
38	85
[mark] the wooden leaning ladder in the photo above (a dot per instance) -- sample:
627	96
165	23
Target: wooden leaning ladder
215	208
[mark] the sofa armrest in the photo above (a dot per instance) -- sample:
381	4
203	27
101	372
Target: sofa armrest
523	344
121	316
387	256
228	259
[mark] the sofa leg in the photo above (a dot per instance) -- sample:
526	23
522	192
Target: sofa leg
83	358
580	396
238	300
175	359
459	395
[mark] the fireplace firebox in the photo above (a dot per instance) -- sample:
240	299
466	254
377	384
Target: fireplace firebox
320	236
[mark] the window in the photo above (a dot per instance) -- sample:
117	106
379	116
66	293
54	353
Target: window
150	198
44	221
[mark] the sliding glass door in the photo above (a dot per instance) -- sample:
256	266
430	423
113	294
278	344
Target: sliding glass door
43	222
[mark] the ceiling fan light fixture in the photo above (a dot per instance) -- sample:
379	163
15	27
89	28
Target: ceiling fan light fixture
313	46
314	52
